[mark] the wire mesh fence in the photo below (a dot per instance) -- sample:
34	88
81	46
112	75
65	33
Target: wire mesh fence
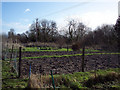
10	55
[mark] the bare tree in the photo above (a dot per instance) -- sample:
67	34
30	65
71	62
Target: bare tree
71	29
76	30
43	30
80	31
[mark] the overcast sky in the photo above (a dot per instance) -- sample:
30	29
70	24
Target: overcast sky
20	15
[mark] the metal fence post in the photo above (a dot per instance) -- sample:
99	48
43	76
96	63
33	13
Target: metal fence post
30	71
19	62
52	80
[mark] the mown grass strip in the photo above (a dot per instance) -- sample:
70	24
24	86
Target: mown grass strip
54	50
50	56
49	49
101	53
38	50
55	56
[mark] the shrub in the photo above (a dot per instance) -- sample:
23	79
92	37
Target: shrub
76	47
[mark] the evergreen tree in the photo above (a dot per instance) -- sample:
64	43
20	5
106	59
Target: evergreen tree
117	29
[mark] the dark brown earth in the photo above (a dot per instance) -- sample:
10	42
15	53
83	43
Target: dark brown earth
69	64
32	54
40	53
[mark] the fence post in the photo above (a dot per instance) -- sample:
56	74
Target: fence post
95	68
83	55
30	71
52	80
19	62
67	48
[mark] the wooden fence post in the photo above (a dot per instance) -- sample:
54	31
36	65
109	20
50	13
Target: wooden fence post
67	48
83	55
95	68
19	62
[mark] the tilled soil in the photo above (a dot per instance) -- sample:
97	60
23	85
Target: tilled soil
69	64
41	53
32	54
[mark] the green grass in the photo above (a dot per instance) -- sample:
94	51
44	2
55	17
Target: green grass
50	56
14	83
9	77
35	49
6	70
51	49
90	50
104	80
73	81
55	49
31	49
78	80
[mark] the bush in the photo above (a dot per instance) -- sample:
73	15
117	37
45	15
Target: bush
76	47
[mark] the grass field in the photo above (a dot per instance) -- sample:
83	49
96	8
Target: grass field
77	80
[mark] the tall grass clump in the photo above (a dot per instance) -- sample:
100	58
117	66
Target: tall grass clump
111	76
45	81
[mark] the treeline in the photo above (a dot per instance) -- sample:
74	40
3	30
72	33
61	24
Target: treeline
105	36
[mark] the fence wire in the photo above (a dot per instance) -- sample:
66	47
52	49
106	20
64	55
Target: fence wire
13	61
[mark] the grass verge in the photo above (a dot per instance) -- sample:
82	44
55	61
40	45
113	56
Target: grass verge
105	79
79	80
9	77
50	56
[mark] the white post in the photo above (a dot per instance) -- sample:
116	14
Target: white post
118	8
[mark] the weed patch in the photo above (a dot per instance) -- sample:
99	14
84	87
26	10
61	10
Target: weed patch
102	79
79	80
